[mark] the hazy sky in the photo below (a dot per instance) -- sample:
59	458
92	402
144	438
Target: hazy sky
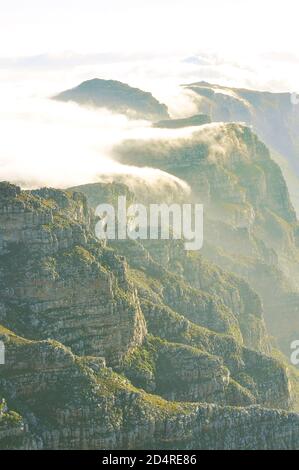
246	42
37	26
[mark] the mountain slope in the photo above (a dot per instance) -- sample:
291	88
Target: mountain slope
274	117
250	225
118	97
71	306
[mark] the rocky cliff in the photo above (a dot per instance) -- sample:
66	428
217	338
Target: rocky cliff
273	116
58	282
140	344
71	402
250	224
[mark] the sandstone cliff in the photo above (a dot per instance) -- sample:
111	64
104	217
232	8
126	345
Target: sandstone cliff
136	344
273	116
250	224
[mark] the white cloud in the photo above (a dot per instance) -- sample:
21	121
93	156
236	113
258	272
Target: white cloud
48	143
154	45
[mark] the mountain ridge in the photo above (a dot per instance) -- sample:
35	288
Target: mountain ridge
69	371
140	343
117	97
274	117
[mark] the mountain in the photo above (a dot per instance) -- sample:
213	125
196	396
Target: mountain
251	228
118	97
273	116
129	344
138	345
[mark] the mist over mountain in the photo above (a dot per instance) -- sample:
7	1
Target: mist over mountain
140	343
149	230
251	225
273	116
117	97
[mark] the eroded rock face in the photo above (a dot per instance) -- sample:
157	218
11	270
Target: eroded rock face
176	331
28	218
250	223
58	282
12	427
175	287
67	402
266	112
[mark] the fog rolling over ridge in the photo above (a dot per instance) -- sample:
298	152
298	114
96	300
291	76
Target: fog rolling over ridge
149	228
48	130
141	343
51	143
248	212
273	116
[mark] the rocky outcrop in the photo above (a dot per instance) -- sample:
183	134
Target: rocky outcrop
68	402
250	224
127	345
177	372
37	223
58	282
266	112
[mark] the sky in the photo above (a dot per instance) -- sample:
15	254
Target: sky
57	42
36	26
47	46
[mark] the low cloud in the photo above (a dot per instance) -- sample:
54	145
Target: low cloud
48	143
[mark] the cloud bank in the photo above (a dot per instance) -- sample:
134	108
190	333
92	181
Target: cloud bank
48	143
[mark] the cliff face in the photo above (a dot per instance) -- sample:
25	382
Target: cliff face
250	224
273	116
117	97
58	282
140	344
267	112
71	402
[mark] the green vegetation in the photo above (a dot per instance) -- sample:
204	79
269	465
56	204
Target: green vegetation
144	337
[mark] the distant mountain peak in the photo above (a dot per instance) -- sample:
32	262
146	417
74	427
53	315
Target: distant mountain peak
273	116
118	97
